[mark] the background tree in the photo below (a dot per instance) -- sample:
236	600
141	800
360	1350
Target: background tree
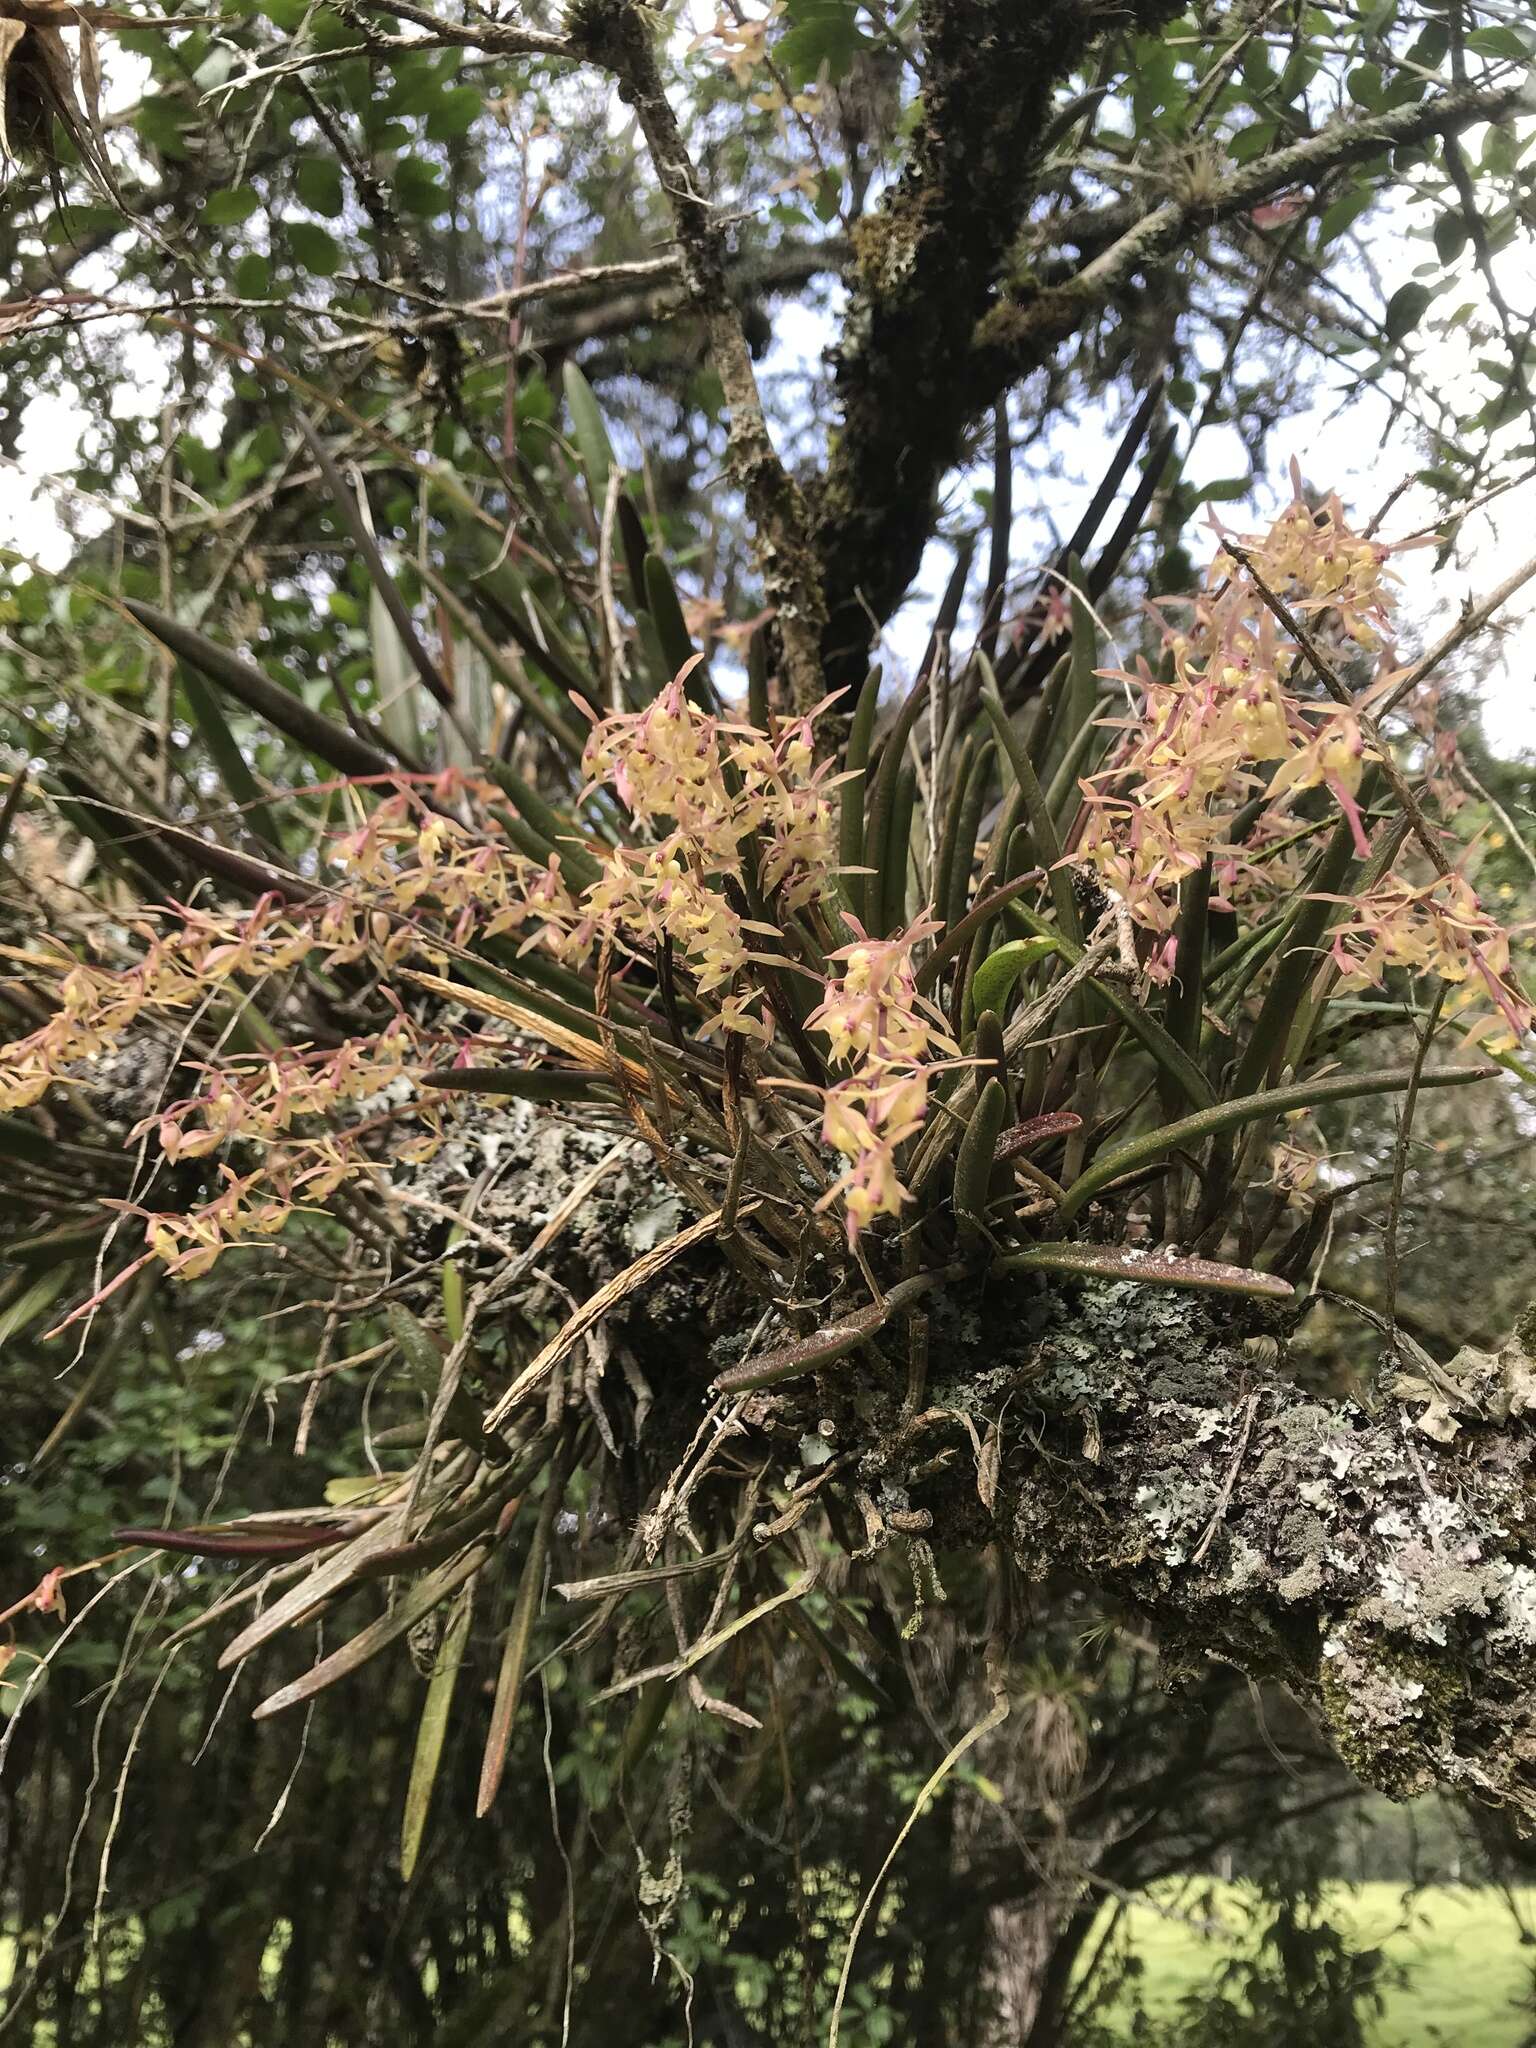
446	367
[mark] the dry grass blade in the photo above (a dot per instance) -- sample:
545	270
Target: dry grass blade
609	1584
989	1721
607	1297
707	1645
558	1035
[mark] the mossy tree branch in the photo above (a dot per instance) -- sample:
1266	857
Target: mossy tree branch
925	269
613	33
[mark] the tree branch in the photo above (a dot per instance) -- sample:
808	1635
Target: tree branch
1385	1575
925	271
1128	238
1019	333
613	33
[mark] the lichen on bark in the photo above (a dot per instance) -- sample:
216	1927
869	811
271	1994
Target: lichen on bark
1384	1577
1151	1442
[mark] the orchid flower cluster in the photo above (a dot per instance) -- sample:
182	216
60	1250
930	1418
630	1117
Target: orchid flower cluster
1437	928
733	816
1224	724
877	1023
722	795
1227	726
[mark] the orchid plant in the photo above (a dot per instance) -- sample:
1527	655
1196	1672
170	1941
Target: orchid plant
697	893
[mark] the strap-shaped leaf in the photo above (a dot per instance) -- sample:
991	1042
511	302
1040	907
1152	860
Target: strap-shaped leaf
575	861
850	833
362	1648
384	584
1042	825
316	734
432	1729
514	1654
1152	1268
589	433
677	644
1228	1116
208	717
882	803
973	1162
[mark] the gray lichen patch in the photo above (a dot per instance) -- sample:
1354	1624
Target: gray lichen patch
1387	1578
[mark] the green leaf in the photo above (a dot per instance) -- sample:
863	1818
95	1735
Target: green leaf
850	796
973	1161
1041	823
672	629
23	1675
419	1602
1082	683
454	113
418	190
317	180
341	1493
433	1728
825	33
994	979
578	865
514	1654
1247	1109
159	121
1251	142
1343	213
227	209
1170	1056
1364	86
1450	236
30	1304
1502	41
314	249
395	684
208	716
417	1346
1225	491
1405	309
589	434
882	804
253	276
333	744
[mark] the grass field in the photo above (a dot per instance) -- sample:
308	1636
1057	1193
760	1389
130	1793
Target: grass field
1461	1946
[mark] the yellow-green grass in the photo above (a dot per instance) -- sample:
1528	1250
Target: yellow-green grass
1461	1947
